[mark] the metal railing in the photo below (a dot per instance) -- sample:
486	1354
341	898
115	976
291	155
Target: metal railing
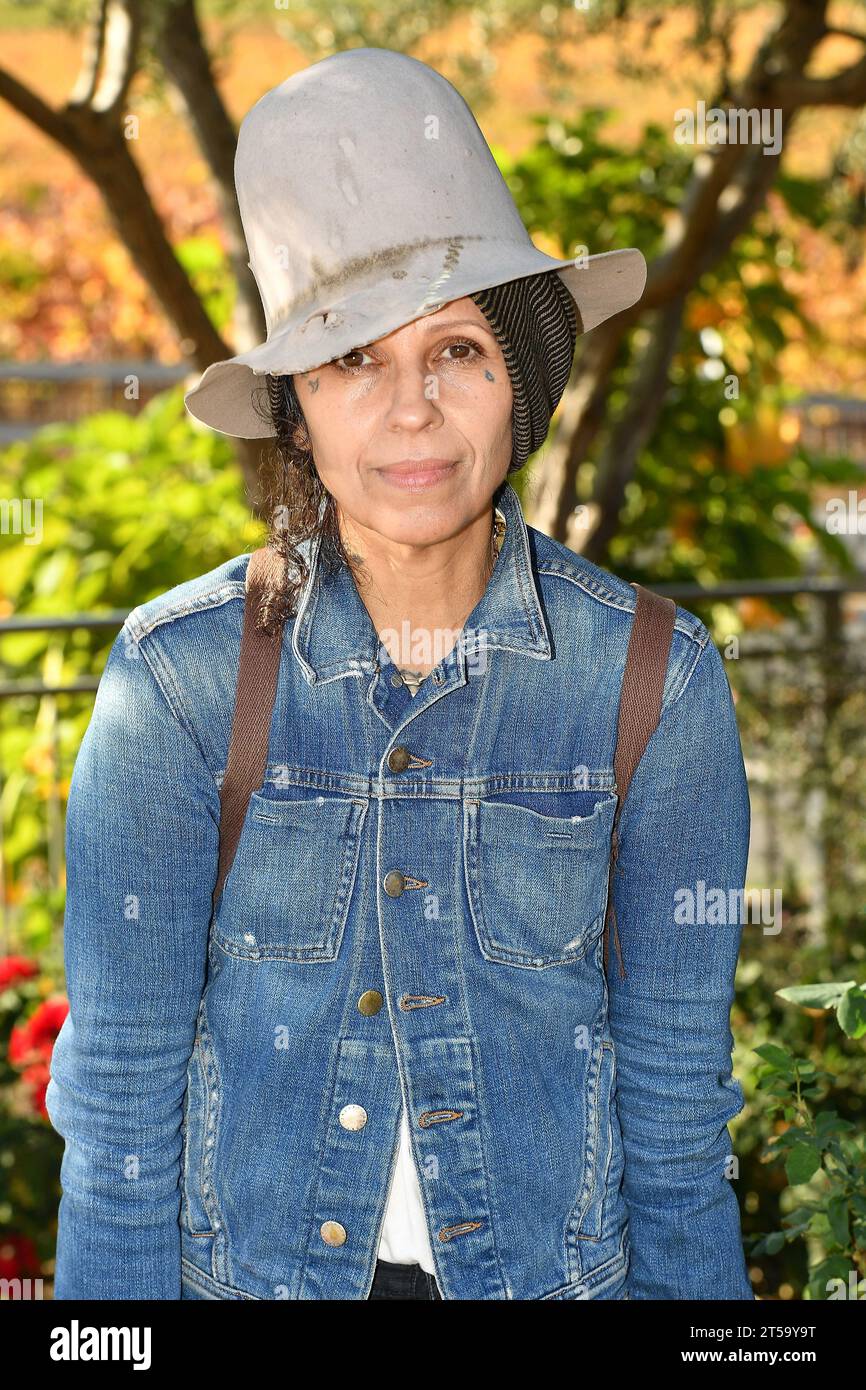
34	394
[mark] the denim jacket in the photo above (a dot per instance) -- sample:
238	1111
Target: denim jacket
413	917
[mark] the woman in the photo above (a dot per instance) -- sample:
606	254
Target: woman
390	1063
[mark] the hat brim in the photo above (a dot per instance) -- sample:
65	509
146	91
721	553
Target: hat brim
231	396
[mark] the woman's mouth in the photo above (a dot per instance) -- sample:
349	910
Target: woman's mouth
415	475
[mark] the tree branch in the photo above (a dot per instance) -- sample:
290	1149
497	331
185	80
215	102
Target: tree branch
635	425
550	493
727	186
88	128
91	56
186	60
33	108
110	57
845	33
844	88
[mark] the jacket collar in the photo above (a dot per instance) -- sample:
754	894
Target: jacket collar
333	633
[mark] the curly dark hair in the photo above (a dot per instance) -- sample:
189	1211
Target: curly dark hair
298	507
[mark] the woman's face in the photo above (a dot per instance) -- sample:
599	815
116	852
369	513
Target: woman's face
412	434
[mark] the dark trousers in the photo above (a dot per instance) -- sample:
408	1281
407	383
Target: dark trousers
402	1281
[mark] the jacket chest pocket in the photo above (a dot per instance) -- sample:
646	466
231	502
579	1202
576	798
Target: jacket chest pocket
537	885
288	891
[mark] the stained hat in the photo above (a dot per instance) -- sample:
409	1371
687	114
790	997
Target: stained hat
370	198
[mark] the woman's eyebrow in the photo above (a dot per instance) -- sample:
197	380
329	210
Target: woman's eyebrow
458	323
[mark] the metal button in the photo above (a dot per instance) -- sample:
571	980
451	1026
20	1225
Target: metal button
396	678
398	759
353	1117
332	1233
394	883
370	1002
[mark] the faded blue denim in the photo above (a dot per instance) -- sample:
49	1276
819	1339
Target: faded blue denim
570	1134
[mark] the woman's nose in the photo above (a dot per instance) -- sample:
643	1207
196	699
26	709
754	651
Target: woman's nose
413	395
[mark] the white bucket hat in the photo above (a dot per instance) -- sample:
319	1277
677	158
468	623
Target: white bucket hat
369	198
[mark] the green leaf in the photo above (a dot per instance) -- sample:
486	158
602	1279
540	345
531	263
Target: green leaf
769	1244
817	996
802	1163
837	1215
828	1122
852	1013
804	197
831	1279
777	1058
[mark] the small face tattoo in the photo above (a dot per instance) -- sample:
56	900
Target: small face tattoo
313	383
489	374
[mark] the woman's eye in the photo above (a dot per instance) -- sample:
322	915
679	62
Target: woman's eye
463	343
352	367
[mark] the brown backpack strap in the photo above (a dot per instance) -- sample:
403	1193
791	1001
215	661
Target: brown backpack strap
254	702
640	704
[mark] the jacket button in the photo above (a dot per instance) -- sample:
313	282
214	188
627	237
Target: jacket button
332	1233
394	883
398	759
370	1002
353	1117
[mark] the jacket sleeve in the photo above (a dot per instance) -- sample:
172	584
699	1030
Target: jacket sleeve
684	832
142	836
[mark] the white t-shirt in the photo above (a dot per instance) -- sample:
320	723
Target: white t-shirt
404	1239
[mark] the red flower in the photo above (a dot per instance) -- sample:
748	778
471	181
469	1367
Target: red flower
47	1021
31	1045
18	1257
36	1080
14	968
